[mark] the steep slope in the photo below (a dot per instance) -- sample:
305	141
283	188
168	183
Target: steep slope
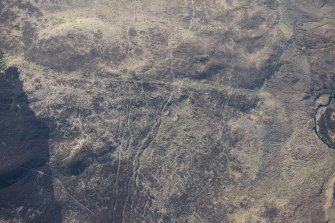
179	111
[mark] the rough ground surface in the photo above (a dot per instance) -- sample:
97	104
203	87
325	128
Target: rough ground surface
167	111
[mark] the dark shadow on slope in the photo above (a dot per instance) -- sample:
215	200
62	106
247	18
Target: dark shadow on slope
24	193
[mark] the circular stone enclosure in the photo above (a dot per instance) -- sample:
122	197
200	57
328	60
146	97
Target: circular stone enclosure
325	123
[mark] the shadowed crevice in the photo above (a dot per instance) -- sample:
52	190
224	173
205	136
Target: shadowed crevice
25	194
